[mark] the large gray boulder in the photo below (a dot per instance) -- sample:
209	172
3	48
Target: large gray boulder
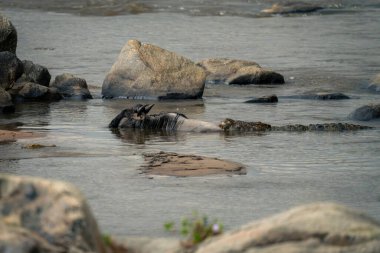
317	228
231	71
366	112
150	72
70	86
8	35
38	215
6	105
11	68
35	73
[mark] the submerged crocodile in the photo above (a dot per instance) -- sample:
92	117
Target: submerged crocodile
137	117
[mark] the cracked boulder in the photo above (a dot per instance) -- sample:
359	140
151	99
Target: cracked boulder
150	72
39	215
317	228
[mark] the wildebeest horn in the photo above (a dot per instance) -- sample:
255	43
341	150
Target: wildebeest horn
144	109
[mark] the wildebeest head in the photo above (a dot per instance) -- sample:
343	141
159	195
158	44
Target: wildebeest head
131	117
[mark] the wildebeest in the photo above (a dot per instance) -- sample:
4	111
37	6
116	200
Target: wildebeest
137	117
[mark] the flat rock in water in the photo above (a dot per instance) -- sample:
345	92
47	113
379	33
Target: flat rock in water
263	100
366	112
173	164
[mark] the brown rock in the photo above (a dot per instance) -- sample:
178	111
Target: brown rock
70	86
38	215
173	164
11	68
255	75
318	228
10	136
147	71
25	91
8	35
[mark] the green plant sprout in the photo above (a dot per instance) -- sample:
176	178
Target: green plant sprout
195	228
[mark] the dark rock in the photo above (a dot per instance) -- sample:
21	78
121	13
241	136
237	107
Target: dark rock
70	86
11	69
45	216
31	91
292	8
147	71
366	112
35	73
265	99
321	96
224	70
6	105
8	36
255	75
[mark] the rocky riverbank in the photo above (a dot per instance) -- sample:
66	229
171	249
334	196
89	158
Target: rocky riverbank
39	215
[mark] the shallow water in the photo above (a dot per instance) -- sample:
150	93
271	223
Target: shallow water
322	52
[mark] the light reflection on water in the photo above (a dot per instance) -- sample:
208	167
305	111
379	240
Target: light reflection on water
322	53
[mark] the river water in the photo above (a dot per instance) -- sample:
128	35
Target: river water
337	50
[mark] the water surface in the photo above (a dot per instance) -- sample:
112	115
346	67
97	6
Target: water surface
321	52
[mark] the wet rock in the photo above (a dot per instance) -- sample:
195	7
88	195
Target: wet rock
292	8
38	215
35	73
264	99
8	35
6	104
319	227
11	68
321	96
366	112
218	70
70	86
31	91
255	75
147	71
230	71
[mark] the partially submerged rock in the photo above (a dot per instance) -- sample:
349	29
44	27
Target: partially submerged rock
11	68
321	96
45	216
35	73
27	91
6	104
263	100
70	86
173	164
231	71
292	8
318	228
8	35
147	71
7	136
366	112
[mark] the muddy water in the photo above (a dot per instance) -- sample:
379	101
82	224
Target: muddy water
324	52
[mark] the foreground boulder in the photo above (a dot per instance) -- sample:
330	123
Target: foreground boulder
11	68
366	112
35	73
318	228
292	8
6	105
230	71
38	215
70	86
147	71
8	36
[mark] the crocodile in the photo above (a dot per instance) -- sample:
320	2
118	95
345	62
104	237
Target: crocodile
137	117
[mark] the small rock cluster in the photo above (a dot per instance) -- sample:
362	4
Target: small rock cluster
22	81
